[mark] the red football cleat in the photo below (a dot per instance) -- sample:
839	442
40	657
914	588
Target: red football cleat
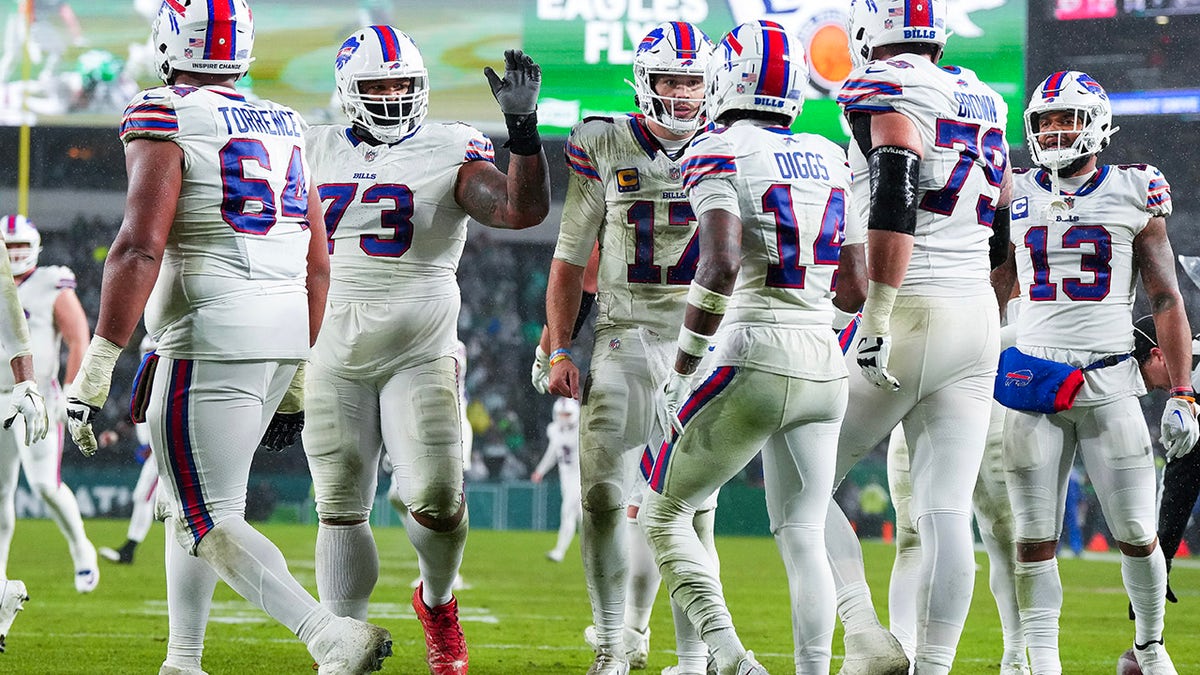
445	646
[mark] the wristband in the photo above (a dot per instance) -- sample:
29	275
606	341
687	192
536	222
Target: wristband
693	343
559	355
709	301
1184	392
877	311
523	136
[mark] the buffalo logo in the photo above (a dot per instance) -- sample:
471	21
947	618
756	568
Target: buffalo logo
348	48
1018	378
651	39
1091	85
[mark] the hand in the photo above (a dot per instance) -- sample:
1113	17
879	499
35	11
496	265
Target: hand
283	431
535	477
540	372
79	424
517	93
89	391
564	379
675	391
1179	428
873	353
27	402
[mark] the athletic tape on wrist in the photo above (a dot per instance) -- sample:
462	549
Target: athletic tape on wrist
704	299
693	343
877	311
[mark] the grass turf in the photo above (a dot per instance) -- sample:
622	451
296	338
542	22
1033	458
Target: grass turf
522	614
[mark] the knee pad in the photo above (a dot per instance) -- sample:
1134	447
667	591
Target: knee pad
604	496
435	407
1131	517
438	502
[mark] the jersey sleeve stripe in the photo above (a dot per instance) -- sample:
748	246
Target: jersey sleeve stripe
480	150
854	91
582	169
149	117
702	166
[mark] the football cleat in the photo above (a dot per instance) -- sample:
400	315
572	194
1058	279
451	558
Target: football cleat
874	652
1015	669
675	670
748	665
637	645
12	600
177	670
121	556
445	646
347	646
1153	659
86	580
607	663
555	556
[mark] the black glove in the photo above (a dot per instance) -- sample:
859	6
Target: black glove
517	94
283	431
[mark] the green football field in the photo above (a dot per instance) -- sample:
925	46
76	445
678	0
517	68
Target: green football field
522	614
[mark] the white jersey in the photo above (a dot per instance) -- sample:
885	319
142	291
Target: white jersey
562	450
792	192
627	193
37	294
396	234
232	283
961	121
1075	263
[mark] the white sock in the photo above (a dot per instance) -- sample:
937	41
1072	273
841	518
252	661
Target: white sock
347	568
726	648
190	585
689	647
439	555
141	519
1039	595
810	584
1146	583
946	584
902	590
256	570
644	579
606	568
64	511
568	524
849	576
1002	558
8	521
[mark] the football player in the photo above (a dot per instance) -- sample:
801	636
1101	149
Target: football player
931	166
25	402
1082	235
626	191
219	249
774	209
54	316
562	451
397	192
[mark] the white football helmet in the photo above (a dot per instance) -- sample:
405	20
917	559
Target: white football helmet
1069	90
18	230
566	410
670	48
382	53
758	66
203	36
887	22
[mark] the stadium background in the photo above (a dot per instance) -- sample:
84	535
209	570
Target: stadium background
76	176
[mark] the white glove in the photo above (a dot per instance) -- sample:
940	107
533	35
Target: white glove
27	402
540	373
873	353
1179	428
675	392
89	391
